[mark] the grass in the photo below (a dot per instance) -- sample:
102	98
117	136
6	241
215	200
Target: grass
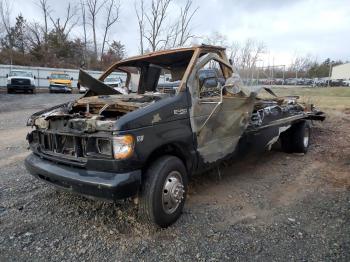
322	97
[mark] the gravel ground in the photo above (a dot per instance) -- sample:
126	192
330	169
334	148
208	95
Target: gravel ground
272	207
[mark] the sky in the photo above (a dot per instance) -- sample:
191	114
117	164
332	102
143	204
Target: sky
289	28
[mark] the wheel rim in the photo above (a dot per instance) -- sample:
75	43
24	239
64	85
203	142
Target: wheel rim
306	137
173	192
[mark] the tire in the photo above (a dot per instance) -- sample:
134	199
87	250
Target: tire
33	91
163	193
297	138
9	91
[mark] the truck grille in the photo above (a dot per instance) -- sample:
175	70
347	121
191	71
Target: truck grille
20	82
74	147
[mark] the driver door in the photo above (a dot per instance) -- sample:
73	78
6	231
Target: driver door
217	118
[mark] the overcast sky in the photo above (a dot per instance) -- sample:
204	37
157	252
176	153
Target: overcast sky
289	27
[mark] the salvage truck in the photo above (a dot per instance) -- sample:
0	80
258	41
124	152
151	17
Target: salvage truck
146	143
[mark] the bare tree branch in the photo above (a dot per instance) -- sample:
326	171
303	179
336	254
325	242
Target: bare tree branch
69	22
46	11
140	19
155	20
112	11
186	17
35	35
5	13
94	7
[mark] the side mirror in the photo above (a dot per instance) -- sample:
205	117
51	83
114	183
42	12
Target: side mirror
7	75
71	78
34	77
48	78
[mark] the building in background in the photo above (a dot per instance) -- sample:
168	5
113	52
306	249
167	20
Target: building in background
341	72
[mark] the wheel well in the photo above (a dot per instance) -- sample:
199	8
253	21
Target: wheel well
174	149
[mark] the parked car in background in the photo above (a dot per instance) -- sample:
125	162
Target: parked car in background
116	83
279	81
113	81
336	82
20	80
346	82
82	90
291	81
60	82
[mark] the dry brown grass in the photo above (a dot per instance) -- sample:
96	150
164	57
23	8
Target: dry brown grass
325	98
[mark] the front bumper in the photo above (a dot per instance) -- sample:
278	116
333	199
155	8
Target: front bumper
60	88
20	87
96	184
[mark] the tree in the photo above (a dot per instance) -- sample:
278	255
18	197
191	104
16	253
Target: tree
83	16
5	13
301	64
94	7
46	11
322	69
112	16
216	38
157	32
244	56
18	34
141	23
250	53
69	22
155	18
183	31
37	42
115	53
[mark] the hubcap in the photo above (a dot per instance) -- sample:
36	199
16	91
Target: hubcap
306	138
173	192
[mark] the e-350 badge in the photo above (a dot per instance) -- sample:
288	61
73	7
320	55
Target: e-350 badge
180	111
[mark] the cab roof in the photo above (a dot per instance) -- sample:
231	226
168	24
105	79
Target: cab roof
170	57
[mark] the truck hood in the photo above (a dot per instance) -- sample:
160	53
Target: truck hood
95	86
20	77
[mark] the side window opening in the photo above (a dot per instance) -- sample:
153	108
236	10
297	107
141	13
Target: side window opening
211	79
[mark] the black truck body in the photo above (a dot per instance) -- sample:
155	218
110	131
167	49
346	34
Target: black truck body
110	145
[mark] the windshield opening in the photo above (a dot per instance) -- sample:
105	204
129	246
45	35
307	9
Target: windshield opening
21	73
60	76
158	73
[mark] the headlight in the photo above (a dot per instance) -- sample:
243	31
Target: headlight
123	146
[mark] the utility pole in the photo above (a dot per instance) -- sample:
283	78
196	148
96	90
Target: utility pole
330	72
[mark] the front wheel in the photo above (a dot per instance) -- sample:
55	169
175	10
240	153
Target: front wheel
164	191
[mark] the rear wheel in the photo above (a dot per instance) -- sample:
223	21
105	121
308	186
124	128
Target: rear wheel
297	138
9	91
164	191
